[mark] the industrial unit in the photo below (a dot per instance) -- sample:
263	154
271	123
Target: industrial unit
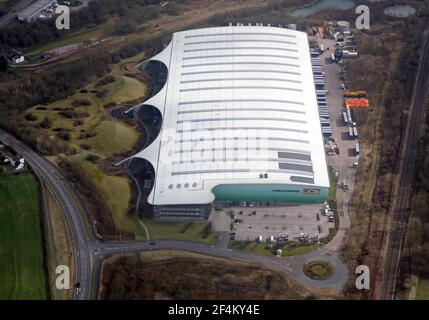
34	10
240	121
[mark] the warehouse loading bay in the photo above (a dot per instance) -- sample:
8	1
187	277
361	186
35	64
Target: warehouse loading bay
302	222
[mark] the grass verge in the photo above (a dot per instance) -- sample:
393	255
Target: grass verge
60	249
180	230
290	249
423	289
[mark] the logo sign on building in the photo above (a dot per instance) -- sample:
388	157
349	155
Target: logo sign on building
315	192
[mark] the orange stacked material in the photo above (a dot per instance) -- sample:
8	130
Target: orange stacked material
357	103
355	94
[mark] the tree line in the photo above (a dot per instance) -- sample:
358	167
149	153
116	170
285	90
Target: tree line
27	35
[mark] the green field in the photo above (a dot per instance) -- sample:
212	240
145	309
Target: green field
117	193
253	247
423	290
21	248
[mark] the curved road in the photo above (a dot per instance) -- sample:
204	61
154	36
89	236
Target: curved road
88	248
67	198
292	266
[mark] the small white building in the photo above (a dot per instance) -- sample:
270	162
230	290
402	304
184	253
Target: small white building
18	163
18	59
4	159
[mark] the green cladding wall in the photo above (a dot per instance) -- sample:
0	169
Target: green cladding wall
271	193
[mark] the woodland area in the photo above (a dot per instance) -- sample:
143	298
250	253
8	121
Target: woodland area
56	83
189	276
28	35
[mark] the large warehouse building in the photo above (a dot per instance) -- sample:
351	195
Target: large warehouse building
35	9
240	121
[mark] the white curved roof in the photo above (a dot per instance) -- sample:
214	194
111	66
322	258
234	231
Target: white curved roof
239	102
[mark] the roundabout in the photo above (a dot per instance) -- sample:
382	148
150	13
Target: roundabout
319	270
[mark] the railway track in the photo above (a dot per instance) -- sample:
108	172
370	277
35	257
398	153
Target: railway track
401	204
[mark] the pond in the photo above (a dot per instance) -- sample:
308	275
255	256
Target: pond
322	5
400	11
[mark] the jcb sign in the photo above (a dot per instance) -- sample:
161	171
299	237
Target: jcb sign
315	192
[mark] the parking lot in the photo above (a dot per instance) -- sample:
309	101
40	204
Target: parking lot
249	223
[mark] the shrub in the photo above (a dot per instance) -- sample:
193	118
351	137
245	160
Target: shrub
30	116
81	102
109	105
102	94
86	135
125	26
71	114
64	135
206	230
93	158
86	146
106	80
77	123
46	123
